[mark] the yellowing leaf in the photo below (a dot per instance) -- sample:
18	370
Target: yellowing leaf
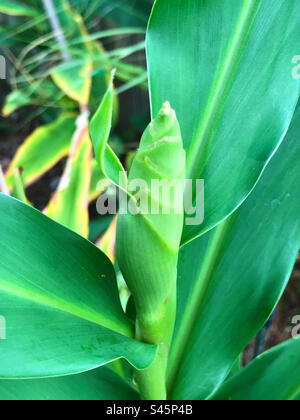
42	149
69	205
107	243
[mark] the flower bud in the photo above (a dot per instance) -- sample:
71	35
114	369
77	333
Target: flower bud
148	236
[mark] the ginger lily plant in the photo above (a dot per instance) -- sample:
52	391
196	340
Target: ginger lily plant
200	293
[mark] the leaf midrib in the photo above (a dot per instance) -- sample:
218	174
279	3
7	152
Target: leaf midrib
220	87
186	329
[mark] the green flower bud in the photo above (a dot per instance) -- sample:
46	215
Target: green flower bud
148	240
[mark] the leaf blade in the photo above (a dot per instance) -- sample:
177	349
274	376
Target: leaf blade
207	78
273	376
100	384
69	204
14	8
46	294
43	149
234	267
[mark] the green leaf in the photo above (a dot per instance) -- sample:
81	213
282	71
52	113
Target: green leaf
15	100
230	280
69	204
273	376
15	8
59	296
43	149
18	190
74	79
99	384
100	128
99	226
152	228
226	68
124	12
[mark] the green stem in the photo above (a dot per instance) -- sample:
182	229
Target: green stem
152	381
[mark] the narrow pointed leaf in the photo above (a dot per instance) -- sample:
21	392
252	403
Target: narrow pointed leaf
100	128
74	79
16	8
226	67
273	376
59	297
231	278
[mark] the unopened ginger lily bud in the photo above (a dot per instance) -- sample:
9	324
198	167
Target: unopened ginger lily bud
148	236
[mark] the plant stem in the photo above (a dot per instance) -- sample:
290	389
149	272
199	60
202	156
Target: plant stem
152	381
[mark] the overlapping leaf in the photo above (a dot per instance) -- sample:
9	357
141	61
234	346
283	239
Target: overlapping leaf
99	384
100	128
230	280
43	149
226	67
69	205
273	376
74	79
16	8
59	298
36	93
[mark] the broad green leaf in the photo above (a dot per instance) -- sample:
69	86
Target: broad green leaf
59	297
43	149
99	384
69	205
100	128
226	68
16	8
230	280
273	376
